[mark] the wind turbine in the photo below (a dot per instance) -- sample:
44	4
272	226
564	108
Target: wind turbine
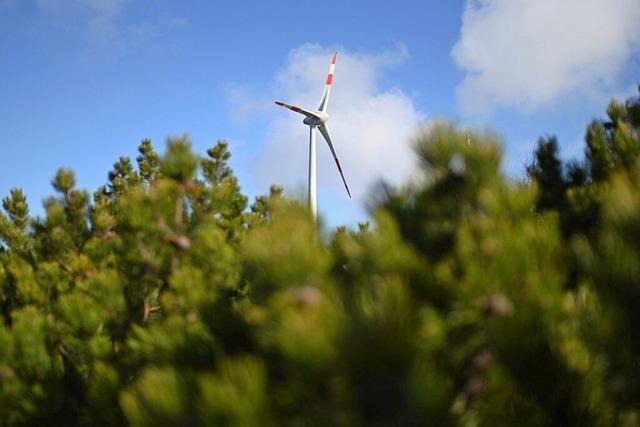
318	119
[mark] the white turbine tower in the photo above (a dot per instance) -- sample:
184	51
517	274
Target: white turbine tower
318	119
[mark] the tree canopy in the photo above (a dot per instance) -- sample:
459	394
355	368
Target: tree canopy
164	298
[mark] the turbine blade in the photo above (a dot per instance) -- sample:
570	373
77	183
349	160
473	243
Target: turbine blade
324	130
324	101
297	109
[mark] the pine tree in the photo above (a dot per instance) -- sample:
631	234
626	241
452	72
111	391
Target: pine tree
148	162
13	225
547	171
223	198
164	300
122	176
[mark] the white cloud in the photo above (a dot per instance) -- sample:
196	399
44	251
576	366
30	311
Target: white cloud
371	128
96	20
103	26
527	54
100	7
246	103
106	11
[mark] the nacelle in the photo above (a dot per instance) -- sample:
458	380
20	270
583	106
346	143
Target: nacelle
321	119
311	121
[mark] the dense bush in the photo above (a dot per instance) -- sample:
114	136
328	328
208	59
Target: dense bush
471	299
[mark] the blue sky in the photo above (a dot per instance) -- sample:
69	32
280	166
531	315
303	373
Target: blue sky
83	81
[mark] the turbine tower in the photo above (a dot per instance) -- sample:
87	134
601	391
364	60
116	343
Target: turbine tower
318	119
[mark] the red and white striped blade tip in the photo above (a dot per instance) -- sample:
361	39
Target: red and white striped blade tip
333	61
290	107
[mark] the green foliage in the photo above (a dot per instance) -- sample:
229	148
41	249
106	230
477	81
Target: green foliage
13	225
17	209
547	171
180	163
222	197
469	300
148	162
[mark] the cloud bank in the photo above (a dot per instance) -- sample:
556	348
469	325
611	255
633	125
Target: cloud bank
527	54
371	127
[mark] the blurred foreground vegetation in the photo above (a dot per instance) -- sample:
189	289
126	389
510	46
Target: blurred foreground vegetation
471	300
